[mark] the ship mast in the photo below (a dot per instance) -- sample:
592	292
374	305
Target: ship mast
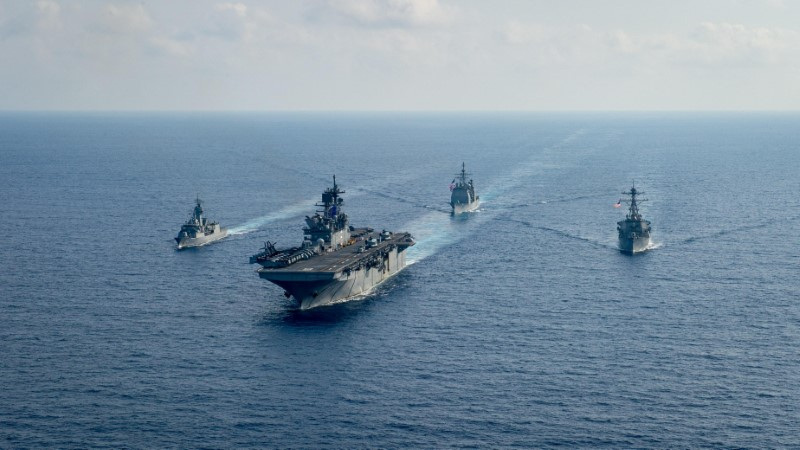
329	224
462	176
331	201
633	211
198	210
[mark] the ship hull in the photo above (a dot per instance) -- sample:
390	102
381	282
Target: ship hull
313	289
460	208
635	245
188	242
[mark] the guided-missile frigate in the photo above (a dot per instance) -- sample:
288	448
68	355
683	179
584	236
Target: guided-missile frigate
634	231
198	230
335	260
462	193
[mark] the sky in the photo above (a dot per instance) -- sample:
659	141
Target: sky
420	55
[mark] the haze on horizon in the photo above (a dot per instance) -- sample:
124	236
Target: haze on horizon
399	55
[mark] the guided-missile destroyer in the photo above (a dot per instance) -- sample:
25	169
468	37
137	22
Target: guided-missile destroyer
634	231
462	193
198	230
335	260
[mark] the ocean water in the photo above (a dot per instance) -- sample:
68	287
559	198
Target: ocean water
519	325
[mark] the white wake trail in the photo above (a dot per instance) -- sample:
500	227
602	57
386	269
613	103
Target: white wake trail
436	230
251	225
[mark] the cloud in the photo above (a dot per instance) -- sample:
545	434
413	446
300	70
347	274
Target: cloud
389	13
171	46
709	44
780	4
726	43
237	21
240	9
49	15
122	18
565	45
48	7
389	53
19	19
518	33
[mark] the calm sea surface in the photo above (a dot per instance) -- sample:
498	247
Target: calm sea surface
518	325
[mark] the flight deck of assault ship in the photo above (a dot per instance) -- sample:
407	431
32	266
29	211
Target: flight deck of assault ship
335	261
198	230
462	194
634	231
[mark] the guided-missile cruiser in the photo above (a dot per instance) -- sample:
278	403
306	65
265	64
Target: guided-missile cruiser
335	261
634	231
198	230
462	193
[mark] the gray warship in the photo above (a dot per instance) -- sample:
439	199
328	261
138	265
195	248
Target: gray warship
634	231
462	194
198	230
335	261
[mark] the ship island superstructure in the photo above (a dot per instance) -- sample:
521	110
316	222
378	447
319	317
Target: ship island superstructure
462	193
198	230
335	261
634	231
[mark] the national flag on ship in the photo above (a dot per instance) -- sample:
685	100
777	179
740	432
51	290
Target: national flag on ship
453	184
618	204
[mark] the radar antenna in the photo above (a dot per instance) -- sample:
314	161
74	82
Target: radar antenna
462	176
633	210
331	201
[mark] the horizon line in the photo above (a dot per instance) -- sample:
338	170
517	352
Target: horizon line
373	111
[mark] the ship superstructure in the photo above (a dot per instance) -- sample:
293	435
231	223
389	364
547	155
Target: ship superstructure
634	231
198	230
462	193
335	260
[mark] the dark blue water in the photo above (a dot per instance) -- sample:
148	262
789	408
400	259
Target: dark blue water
519	325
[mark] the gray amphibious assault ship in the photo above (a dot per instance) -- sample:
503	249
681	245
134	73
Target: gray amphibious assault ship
335	261
198	230
462	194
634	231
